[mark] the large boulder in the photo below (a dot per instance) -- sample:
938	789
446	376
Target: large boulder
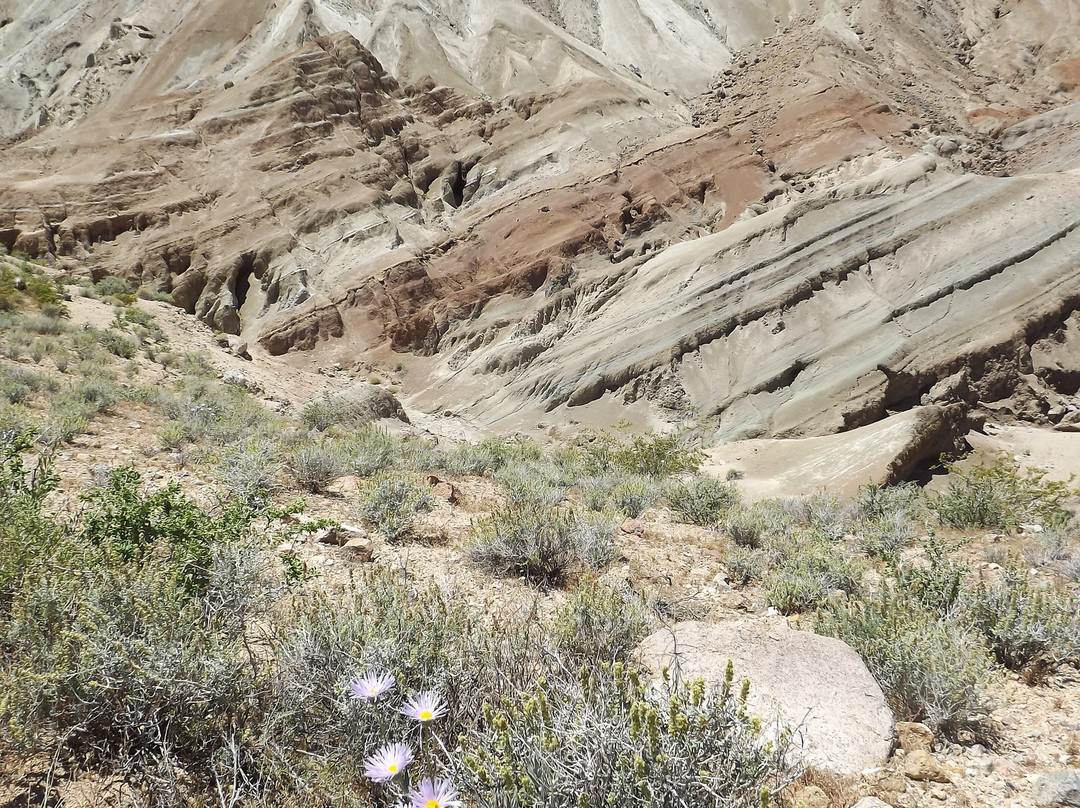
885	452
363	403
817	686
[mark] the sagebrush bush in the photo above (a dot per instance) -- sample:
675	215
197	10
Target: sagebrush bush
390	501
600	623
931	669
370	449
746	565
315	464
1000	496
746	527
489	456
529	484
248	471
702	500
1028	629
543	544
806	580
634	494
609	739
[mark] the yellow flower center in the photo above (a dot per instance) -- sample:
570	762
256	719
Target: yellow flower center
392	768
431	804
427	716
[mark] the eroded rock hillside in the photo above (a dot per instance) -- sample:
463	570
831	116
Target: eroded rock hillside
790	216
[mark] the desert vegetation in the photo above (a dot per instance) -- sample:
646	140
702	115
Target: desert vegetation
179	646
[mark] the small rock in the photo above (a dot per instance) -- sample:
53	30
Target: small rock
285	547
912	736
921	765
448	492
235	378
812	797
344	486
1031	528
871	802
1057	788
632	527
339	535
360	547
1007	767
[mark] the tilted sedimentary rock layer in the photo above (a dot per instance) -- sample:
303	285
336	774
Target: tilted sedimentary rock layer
789	217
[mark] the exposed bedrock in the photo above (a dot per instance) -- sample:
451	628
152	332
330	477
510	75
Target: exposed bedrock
817	316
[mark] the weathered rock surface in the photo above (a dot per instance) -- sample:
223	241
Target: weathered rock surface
885	452
793	218
1057	788
363	403
817	684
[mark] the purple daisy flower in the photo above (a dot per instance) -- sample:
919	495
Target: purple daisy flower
371	685
437	793
424	707
388	762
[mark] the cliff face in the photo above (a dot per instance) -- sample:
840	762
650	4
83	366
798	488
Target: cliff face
793	217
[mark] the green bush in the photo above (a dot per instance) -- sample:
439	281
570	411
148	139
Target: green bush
1027	628
652	455
1000	496
806	580
634	494
114	287
746	527
599	623
390	501
128	526
702	500
931	669
746	565
611	740
117	344
543	544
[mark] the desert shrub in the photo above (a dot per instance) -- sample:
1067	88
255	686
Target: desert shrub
370	449
45	325
529	483
390	501
746	527
596	490
322	414
934	582
128	525
42	290
1027	628
600	623
1000	496
9	295
609	739
702	500
248	470
542	544
806	580
207	410
314	464
653	454
117	344
633	494
26	535
593	538
18	385
118	288
746	565
931	669
1048	547
489	455
120	668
